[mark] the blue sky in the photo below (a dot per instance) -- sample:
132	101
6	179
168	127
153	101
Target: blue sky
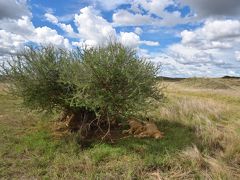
188	37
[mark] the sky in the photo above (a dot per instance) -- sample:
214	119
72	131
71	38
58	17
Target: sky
190	38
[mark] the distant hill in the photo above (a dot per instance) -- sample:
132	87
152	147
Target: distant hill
177	78
169	78
230	77
226	82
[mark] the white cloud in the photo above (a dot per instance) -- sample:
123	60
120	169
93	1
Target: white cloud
149	12
129	39
65	27
210	50
173	68
68	28
51	18
126	18
15	33
85	43
215	29
95	30
188	37
170	67
215	34
16	29
155	7
150	43
189	55
10	42
92	30
46	35
92	27
22	26
138	30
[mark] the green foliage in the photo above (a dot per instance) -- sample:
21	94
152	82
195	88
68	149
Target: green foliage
35	76
109	80
117	81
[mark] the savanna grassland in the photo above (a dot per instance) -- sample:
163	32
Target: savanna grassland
200	119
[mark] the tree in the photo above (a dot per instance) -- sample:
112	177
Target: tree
93	86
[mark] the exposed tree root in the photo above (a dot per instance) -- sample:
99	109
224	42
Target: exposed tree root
86	123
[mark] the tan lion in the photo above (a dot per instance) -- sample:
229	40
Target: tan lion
136	127
151	130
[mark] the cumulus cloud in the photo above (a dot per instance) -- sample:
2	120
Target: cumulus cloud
210	50
170	67
13	9
93	28
216	29
15	33
10	42
149	12
126	18
189	55
155	7
153	12
22	26
46	35
65	27
173	68
141	9
129	39
214	34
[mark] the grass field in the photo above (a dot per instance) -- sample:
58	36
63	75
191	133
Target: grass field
200	119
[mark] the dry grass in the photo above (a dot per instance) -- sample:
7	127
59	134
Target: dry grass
214	114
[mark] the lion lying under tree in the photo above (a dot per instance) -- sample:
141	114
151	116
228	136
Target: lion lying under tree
139	129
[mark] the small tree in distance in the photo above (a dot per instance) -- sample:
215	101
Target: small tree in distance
92	86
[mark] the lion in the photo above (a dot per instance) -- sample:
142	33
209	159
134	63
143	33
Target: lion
151	130
139	129
136	127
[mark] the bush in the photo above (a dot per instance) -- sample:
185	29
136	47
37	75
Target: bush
35	76
87	84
